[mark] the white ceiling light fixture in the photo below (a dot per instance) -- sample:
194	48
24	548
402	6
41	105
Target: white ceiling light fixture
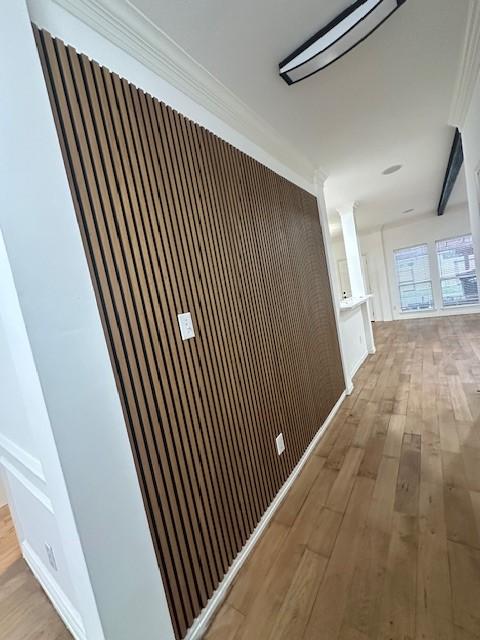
339	37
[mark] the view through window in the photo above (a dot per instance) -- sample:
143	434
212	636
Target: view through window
414	280
456	264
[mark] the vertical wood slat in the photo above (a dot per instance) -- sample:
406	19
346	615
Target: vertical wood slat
173	219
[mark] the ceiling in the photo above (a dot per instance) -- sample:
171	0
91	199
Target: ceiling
386	102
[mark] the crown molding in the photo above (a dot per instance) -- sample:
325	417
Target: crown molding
126	27
320	177
469	67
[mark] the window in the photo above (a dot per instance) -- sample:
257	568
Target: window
413	276
458	278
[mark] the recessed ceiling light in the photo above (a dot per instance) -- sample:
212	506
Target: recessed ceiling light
393	169
337	38
408	211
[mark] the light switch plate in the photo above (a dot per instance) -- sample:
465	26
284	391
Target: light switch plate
186	326
280	444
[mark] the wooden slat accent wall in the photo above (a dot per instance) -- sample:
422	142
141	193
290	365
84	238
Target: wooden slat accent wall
174	219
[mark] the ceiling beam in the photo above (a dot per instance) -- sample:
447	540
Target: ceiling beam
455	162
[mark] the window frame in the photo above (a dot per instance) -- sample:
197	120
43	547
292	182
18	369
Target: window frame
441	278
430	280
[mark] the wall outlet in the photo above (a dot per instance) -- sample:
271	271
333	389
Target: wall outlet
280	444
51	556
186	326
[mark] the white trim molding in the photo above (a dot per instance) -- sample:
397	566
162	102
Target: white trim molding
201	623
55	594
23	457
469	67
129	29
29	486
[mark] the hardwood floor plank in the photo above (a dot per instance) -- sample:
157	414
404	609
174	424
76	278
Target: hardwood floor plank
342	487
329	607
373	456
348	633
454	474
257	566
471	460
406	499
393	444
325	530
362	611
431	454
297	495
397	617
342	445
459	516
270	593
449	440
226	625
434	614
475	498
461	408
295	610
365	425
465	572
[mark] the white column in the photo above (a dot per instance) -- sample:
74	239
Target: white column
352	251
464	112
332	272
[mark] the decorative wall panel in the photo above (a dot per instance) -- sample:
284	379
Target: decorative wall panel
175	220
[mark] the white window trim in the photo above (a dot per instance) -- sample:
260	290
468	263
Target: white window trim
443	306
399	298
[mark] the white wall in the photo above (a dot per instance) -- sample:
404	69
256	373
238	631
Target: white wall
454	222
353	337
471	149
371	247
57	343
3	490
378	247
28	457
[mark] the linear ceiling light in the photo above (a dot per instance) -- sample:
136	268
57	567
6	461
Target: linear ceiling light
341	35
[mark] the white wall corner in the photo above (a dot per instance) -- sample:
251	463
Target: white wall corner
468	68
129	29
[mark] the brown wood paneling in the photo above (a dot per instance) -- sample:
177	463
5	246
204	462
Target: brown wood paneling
174	219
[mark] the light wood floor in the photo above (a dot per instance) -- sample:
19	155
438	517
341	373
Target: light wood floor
379	538
25	611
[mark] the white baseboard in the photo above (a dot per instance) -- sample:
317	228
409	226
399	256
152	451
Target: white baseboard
200	624
56	595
